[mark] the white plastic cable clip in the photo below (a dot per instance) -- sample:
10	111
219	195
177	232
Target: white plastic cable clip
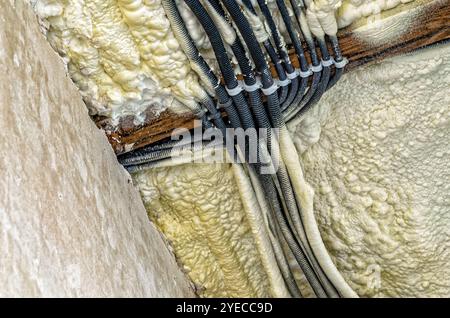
305	74
283	83
270	90
341	64
292	75
316	69
329	62
234	91
254	87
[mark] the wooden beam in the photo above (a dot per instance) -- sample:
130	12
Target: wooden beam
431	26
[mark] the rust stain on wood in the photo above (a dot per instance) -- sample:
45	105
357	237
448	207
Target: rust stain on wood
127	136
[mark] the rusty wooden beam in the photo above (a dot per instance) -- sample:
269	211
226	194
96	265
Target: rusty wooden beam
431	26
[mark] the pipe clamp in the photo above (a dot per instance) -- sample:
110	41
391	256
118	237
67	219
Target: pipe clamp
253	87
234	91
316	68
283	83
305	74
225	105
292	75
341	64
270	90
327	63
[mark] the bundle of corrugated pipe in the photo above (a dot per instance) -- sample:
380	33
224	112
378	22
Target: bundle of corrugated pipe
246	31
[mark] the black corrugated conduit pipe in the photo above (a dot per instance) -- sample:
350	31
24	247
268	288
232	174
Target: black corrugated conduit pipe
232	85
251	84
339	61
197	62
279	190
296	42
266	179
204	71
269	186
291	73
312	96
291	205
283	81
316	67
275	113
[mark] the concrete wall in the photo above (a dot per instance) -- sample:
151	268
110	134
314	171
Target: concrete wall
71	222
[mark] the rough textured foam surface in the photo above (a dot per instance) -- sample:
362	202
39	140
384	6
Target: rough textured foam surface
124	58
71	223
352	10
375	151
380	172
121	54
198	208
380	30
